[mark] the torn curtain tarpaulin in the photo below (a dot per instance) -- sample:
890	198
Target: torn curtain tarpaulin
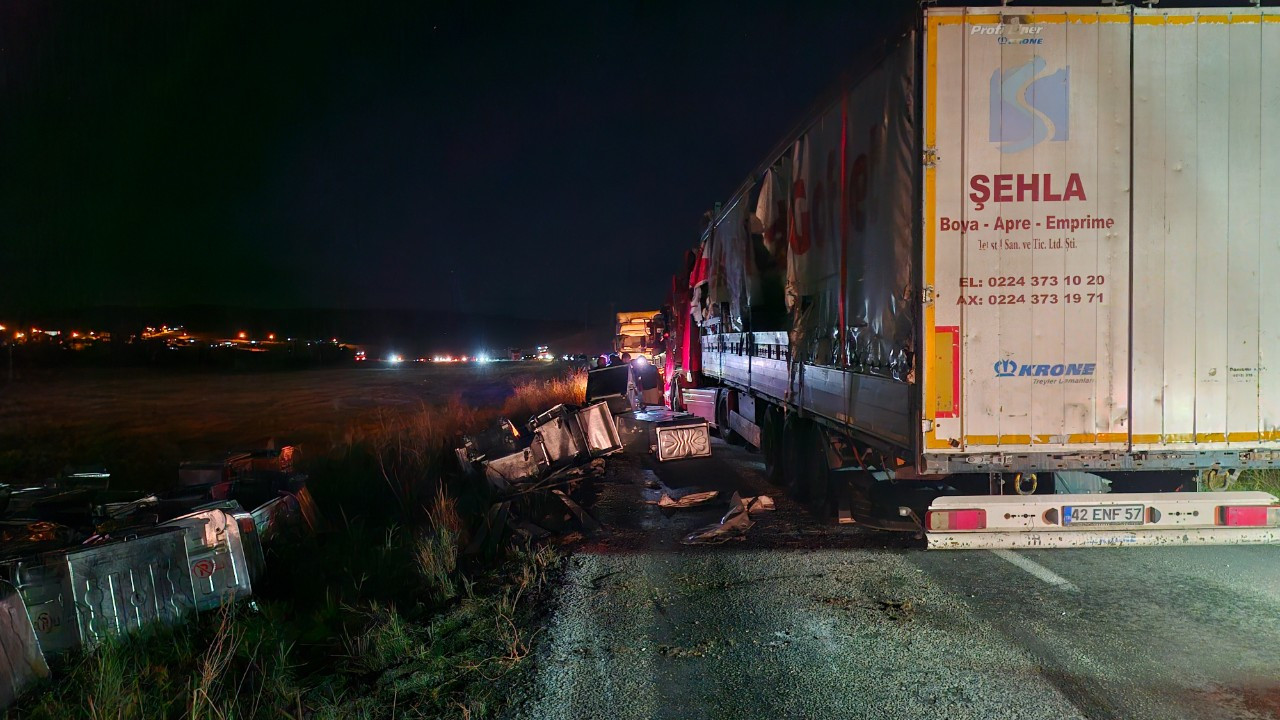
734	277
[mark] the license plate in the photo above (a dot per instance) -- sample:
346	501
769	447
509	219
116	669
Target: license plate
1104	515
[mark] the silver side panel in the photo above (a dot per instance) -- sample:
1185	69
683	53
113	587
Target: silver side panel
875	406
216	556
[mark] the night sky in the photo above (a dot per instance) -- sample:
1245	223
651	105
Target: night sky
523	158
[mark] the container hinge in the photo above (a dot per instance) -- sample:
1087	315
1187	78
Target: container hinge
931	157
926	425
926	296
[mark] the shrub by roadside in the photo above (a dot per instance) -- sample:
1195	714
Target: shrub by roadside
1264	480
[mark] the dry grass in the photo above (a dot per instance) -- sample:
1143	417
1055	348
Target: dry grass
533	397
140	424
436	549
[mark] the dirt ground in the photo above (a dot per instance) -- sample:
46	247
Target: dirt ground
141	423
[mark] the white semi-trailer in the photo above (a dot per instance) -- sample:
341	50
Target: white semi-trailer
1025	250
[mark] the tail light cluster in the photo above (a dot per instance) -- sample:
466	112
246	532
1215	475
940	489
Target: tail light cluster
947	520
1249	515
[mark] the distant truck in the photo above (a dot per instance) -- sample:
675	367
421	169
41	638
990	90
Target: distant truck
1023	250
639	333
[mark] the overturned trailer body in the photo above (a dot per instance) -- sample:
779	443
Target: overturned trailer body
1019	241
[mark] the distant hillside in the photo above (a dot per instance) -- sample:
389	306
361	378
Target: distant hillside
412	332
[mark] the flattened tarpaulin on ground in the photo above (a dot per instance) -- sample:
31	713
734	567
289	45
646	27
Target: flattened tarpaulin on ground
21	661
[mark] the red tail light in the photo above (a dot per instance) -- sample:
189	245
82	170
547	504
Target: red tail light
956	520
1243	515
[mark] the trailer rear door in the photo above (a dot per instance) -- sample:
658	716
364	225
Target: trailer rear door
1026	229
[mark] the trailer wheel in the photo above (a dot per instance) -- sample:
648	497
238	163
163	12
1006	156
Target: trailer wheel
722	422
806	470
771	446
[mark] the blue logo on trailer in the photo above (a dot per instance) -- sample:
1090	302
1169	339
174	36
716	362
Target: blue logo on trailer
1029	106
1006	368
1009	368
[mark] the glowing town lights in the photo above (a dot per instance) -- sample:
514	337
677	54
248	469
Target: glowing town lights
74	334
2	328
243	335
271	336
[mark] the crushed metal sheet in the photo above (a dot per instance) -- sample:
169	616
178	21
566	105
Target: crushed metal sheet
735	523
588	523
734	527
21	660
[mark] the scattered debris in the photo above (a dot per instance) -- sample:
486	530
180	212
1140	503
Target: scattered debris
691	499
533	475
588	523
898	610
668	435
65	544
735	523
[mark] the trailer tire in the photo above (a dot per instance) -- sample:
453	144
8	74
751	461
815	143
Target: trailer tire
722	421
771	446
806	470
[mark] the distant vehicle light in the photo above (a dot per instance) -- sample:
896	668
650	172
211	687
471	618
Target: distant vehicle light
395	359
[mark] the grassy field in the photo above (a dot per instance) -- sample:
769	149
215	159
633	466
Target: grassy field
382	614
141	424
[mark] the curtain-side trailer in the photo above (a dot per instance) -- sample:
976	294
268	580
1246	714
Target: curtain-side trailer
1024	250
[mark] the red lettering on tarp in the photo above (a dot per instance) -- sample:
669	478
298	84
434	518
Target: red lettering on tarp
800	238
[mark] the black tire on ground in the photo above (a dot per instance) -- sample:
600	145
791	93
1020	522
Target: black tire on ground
771	445
806	470
722	421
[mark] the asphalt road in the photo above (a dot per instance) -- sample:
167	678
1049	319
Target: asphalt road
802	620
